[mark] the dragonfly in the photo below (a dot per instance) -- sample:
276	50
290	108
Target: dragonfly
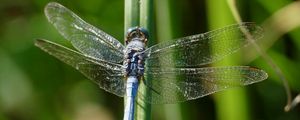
174	71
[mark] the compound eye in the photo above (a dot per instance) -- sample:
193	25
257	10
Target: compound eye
144	32
131	30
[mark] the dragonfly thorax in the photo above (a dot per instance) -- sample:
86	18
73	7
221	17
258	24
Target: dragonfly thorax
135	44
134	62
136	40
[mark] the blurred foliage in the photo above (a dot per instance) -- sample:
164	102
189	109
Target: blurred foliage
36	86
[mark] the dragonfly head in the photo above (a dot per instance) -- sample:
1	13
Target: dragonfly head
137	33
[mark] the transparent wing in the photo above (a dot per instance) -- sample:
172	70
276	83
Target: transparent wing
107	75
172	85
196	50
86	38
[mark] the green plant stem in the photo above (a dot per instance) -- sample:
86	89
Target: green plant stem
139	13
146	21
132	13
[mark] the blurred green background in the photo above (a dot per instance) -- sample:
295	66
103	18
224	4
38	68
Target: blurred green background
36	86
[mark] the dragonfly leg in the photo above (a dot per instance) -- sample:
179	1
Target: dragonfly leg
126	68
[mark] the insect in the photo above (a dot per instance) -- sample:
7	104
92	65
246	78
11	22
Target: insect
178	69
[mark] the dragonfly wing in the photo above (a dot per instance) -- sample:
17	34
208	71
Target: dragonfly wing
108	76
172	85
83	36
196	50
